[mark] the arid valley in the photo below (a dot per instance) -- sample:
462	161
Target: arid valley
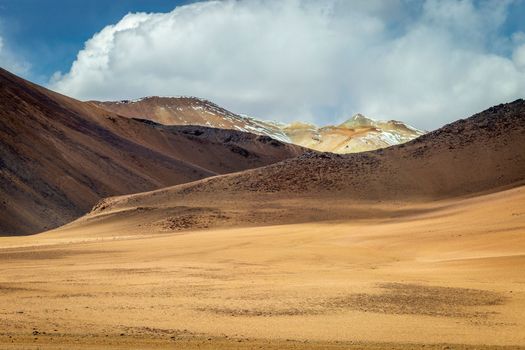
373	196
319	251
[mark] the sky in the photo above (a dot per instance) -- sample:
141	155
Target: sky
425	62
48	34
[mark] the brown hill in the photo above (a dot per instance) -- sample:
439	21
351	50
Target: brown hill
176	111
357	134
59	156
484	153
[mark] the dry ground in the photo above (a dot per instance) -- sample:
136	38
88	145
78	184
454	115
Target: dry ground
453	273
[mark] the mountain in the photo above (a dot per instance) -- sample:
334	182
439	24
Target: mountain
355	135
482	154
59	156
191	111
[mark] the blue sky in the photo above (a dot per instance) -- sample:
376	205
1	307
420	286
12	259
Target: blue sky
50	33
426	62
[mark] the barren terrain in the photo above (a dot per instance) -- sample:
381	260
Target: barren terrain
416	245
357	134
408	274
59	156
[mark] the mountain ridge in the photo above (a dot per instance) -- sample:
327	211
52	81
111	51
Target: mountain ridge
482	154
354	135
59	156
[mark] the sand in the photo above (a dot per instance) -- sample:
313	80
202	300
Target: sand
446	272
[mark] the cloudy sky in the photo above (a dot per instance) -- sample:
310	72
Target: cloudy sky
424	62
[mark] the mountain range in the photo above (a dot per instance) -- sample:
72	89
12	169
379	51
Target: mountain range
357	134
481	154
59	156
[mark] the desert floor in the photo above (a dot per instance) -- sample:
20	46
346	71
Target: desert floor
452	275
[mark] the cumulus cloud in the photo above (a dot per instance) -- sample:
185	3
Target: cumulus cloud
426	63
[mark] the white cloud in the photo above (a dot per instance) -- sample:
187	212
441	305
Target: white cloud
425	63
10	61
519	57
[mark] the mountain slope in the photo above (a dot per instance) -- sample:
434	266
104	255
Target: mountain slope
484	153
59	156
191	111
355	135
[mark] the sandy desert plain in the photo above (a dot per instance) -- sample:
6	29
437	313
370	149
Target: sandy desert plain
415	276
